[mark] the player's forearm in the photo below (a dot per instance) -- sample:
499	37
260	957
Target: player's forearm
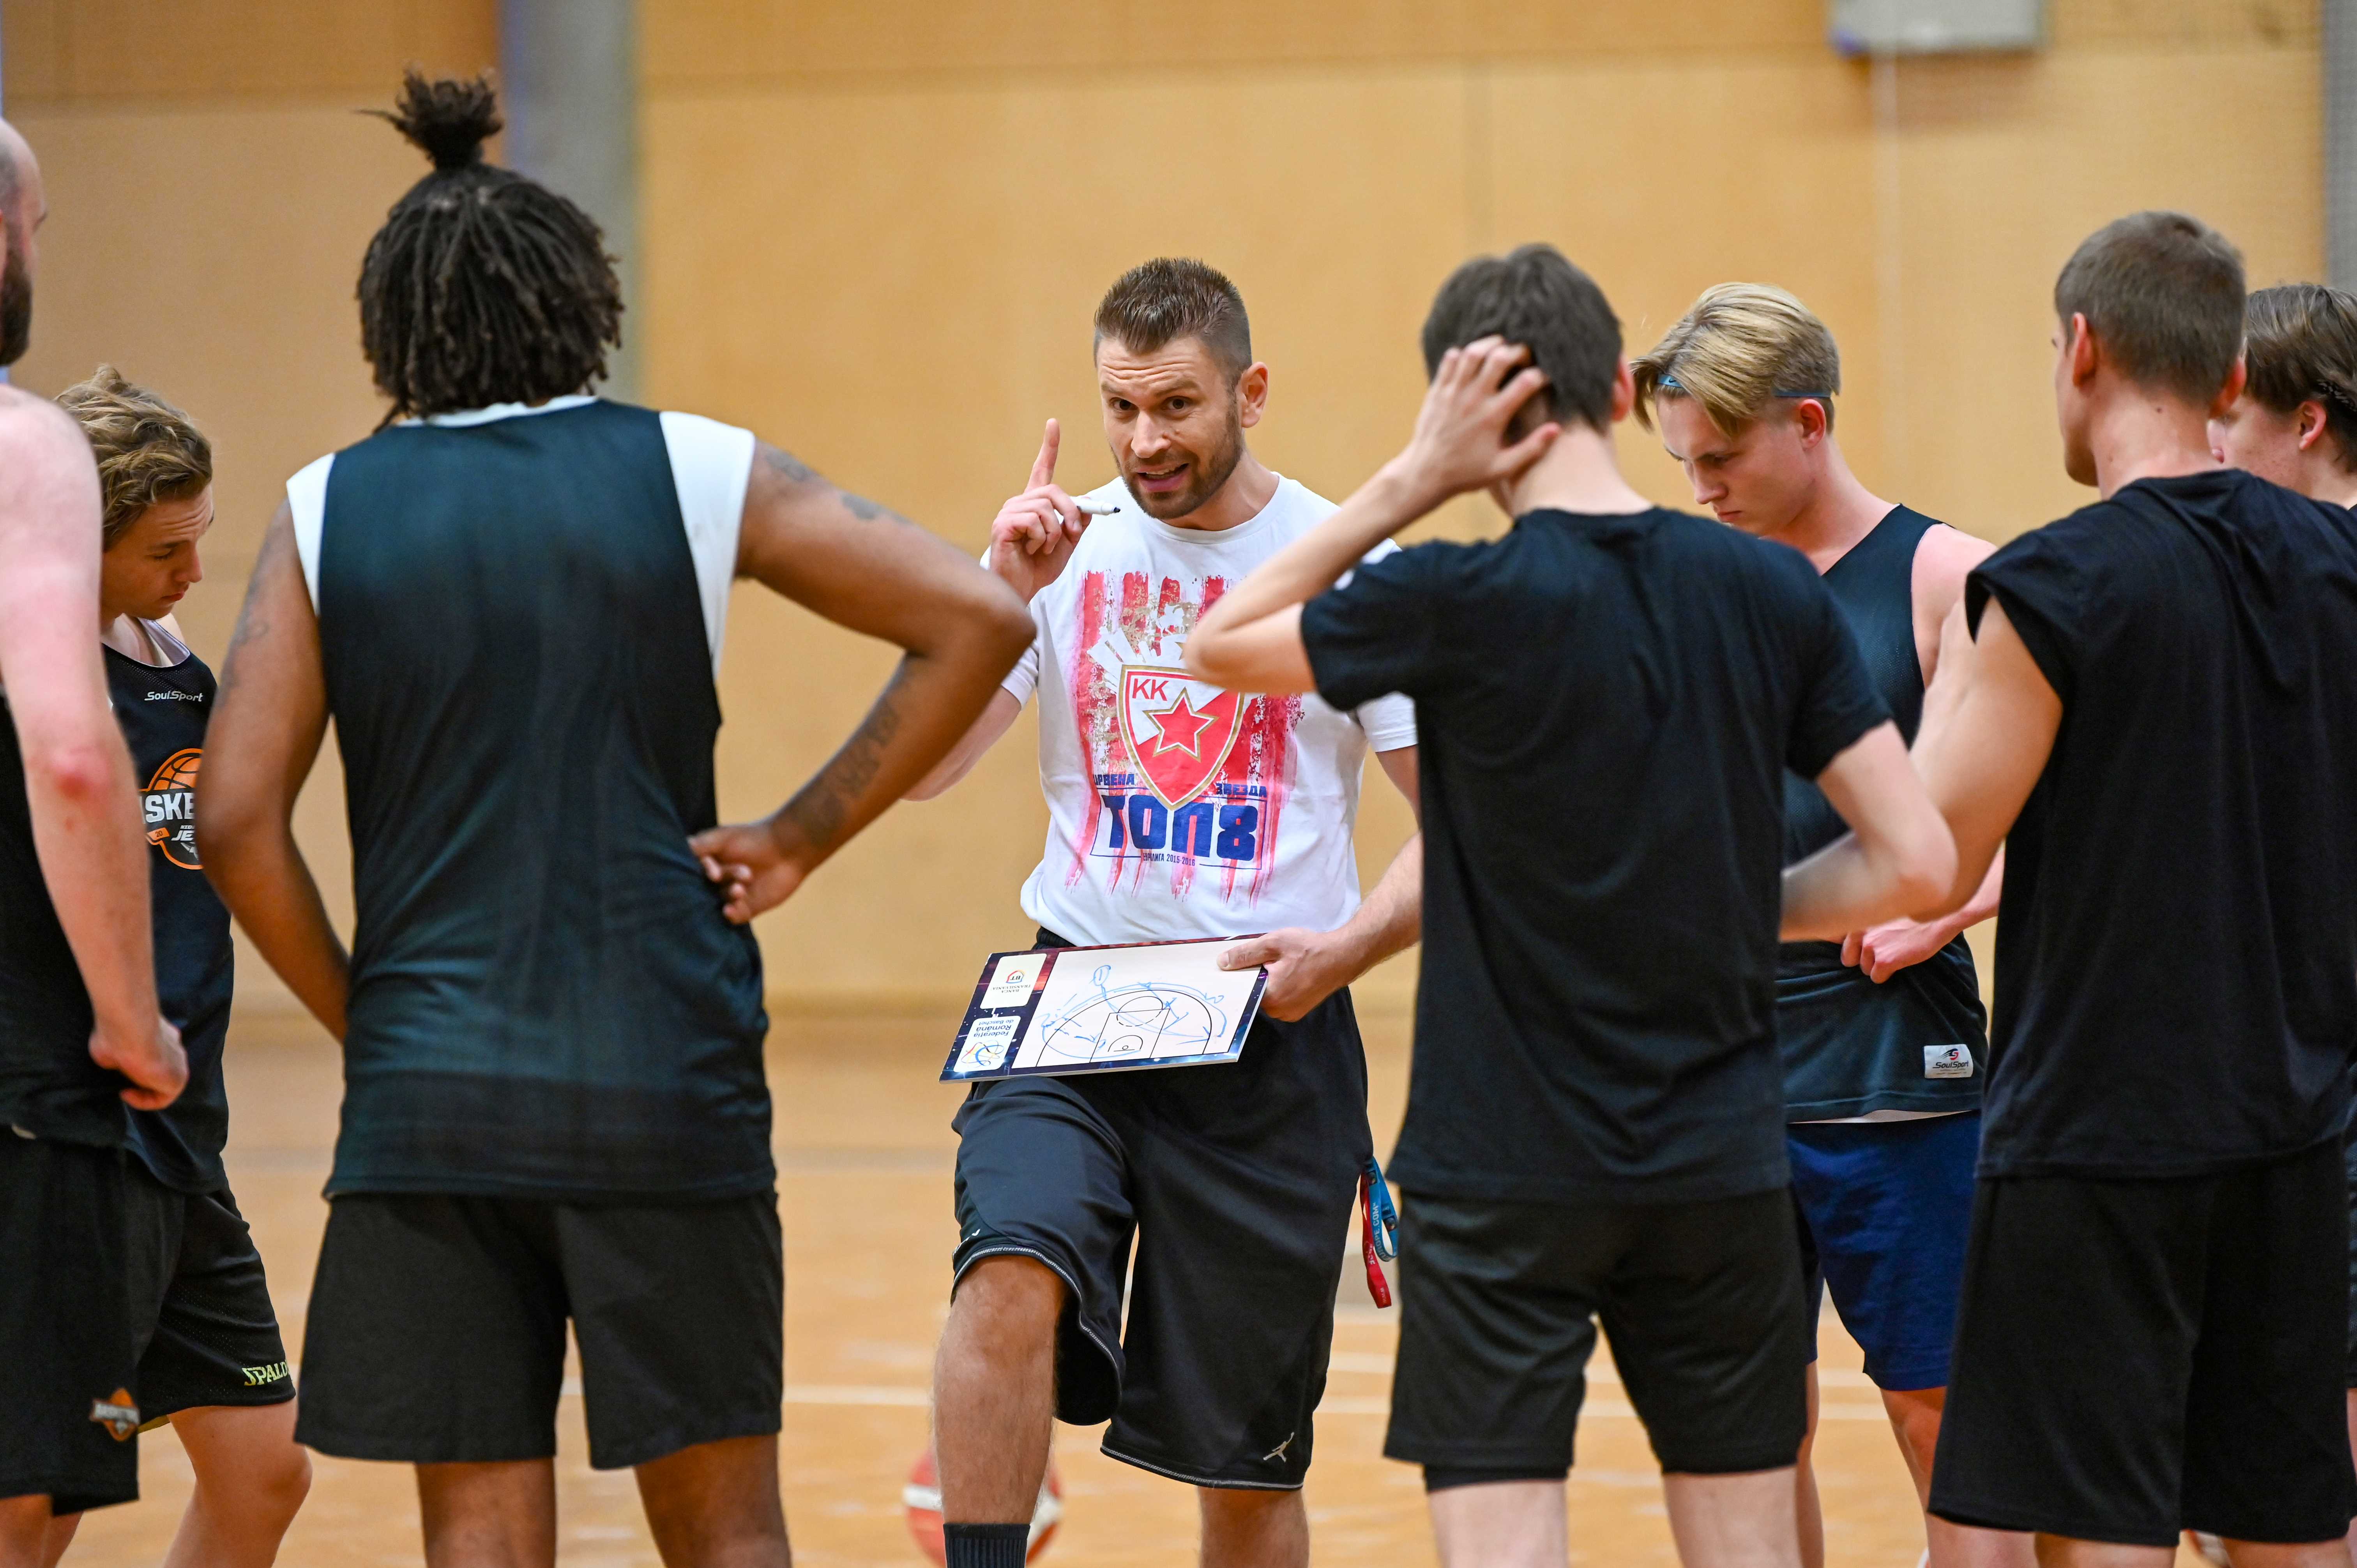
85	818
260	872
1389	919
1310	564
996	719
931	704
1860	881
1982	904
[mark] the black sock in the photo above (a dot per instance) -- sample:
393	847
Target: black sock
986	1545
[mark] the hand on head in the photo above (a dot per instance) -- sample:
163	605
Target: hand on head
1033	535
1460	442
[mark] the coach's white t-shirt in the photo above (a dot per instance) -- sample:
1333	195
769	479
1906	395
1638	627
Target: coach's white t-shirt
1176	809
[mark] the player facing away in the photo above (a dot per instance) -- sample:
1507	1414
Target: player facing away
1606	701
80	1033
2148	701
509	598
1883	1033
1178	808
2296	423
211	1359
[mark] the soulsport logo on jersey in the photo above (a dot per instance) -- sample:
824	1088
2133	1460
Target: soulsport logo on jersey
169	803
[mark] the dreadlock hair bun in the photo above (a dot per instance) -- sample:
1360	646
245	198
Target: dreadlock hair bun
483	286
448	120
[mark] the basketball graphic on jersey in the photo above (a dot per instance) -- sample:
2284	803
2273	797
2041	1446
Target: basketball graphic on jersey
1179	730
169	803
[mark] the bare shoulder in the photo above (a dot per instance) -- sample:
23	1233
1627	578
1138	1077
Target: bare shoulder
48	481
1946	556
34	429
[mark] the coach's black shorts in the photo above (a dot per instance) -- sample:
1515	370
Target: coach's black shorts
69	1415
437	1328
1236	1183
206	1331
2138	1357
1498	1306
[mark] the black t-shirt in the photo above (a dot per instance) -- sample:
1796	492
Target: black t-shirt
164	711
1604	709
2176	948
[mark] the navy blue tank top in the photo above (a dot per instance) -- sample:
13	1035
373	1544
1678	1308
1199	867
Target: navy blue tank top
545	999
1852	1047
162	713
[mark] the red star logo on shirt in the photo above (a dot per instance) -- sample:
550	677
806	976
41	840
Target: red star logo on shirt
1180	727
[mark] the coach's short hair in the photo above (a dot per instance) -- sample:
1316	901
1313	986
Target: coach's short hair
147	450
1738	348
1533	297
2300	342
1158	303
2163	293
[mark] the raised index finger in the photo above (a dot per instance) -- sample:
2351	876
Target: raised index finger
1043	466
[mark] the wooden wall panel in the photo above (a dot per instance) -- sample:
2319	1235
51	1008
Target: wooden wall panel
1749	171
692	44
137	51
876	233
1992	206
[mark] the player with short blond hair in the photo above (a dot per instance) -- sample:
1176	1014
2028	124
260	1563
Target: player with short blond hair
1883	1034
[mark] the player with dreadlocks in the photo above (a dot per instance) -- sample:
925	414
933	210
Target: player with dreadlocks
510	599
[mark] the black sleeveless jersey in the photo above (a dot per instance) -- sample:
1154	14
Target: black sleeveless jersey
546	1001
48	1086
1851	1046
162	713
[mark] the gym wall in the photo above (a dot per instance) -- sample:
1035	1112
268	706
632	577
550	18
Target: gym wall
876	235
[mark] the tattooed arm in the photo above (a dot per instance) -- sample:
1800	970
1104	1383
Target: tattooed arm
259	749
873	572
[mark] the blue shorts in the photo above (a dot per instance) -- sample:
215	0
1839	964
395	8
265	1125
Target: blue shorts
1884	1209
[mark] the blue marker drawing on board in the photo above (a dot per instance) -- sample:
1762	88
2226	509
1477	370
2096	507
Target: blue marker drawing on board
1141	1022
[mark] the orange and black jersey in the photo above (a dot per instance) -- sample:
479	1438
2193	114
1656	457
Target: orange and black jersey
163	711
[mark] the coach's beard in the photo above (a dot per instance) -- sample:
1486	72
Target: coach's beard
1211	471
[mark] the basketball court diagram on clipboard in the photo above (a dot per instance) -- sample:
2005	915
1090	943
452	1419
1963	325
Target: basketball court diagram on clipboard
1071	1010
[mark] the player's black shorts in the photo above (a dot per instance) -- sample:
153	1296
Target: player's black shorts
2137	1358
69	1418
207	1332
436	1327
1236	1183
1498	1306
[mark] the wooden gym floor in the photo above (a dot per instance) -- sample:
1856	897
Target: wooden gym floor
864	1152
